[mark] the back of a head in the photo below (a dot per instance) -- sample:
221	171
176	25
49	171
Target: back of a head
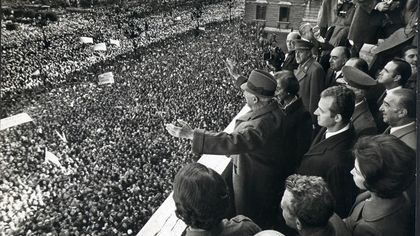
201	196
344	100
406	100
312	203
359	63
387	164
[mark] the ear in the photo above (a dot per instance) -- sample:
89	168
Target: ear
338	118
397	78
255	99
298	225
402	112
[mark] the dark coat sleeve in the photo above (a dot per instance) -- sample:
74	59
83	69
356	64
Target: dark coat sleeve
251	137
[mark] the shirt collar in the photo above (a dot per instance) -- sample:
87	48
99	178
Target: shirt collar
393	89
330	134
393	129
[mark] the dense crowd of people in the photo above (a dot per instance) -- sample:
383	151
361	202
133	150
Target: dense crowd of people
117	163
327	148
39	64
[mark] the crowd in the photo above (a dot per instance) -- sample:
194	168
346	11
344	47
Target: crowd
117	162
48	65
305	149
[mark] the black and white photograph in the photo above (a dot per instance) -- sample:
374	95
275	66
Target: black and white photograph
209	118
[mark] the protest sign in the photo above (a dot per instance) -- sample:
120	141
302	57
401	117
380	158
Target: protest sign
106	78
99	47
14	120
86	40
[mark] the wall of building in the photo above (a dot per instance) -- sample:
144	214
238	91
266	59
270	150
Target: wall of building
298	8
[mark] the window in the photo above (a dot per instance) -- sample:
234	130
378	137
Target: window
261	12
284	14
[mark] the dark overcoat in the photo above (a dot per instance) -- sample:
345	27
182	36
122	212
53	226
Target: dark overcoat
311	77
331	159
363	121
384	219
257	177
297	130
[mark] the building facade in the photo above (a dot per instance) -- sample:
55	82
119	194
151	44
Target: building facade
281	15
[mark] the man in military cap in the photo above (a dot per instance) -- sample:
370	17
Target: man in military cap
311	76
257	183
362	118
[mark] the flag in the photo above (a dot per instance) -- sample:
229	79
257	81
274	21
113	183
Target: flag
49	156
99	47
178	18
202	28
106	78
14	120
86	40
115	42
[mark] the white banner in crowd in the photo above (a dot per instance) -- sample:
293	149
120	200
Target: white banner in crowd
106	78
178	18
36	73
99	47
202	28
14	120
86	40
114	42
49	156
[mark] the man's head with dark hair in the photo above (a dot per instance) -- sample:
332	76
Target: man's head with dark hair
409	54
287	84
395	73
384	165
307	202
399	107
201	196
359	63
335	108
338	57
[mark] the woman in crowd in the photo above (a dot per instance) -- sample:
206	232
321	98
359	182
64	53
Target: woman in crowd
385	167
201	199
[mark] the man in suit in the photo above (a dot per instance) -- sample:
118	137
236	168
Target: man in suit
362	118
330	153
392	77
290	63
257	181
311	76
308	207
399	112
338	58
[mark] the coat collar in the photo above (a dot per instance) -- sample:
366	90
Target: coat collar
292	107
319	147
263	110
374	210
